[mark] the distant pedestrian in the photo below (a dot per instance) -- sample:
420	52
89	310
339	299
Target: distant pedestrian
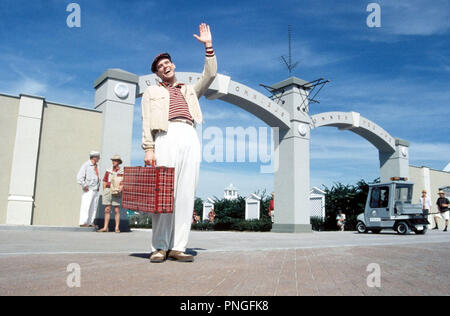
194	217
112	193
211	215
340	218
425	202
272	208
88	178
442	204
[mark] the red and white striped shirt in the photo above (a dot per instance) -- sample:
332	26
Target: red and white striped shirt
178	106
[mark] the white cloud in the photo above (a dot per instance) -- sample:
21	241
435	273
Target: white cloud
27	86
263	57
45	78
415	17
399	19
403	106
438	151
341	146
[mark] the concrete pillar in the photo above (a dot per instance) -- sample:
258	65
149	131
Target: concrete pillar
427	180
115	96
395	164
427	186
25	158
292	178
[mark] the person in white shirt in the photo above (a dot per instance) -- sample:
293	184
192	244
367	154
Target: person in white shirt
425	201
89	180
340	218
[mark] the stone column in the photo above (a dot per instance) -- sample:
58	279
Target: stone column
395	164
115	96
25	158
292	178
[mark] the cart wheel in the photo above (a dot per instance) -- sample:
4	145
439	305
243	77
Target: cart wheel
361	228
422	232
376	231
403	228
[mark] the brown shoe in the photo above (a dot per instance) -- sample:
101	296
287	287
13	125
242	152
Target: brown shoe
158	256
180	256
103	230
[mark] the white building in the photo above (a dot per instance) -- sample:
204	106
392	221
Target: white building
230	193
252	207
317	202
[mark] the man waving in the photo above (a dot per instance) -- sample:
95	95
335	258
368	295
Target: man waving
170	112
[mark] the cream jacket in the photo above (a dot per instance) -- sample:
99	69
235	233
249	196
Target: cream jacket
156	100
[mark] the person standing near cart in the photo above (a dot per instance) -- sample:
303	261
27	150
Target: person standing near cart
340	218
170	111
442	204
425	202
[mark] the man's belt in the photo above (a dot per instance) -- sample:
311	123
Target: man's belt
180	120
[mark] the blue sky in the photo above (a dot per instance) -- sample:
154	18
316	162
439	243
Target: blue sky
397	75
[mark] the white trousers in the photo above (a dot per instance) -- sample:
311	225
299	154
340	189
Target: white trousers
88	209
178	148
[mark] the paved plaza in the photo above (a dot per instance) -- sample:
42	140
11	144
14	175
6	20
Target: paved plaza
227	263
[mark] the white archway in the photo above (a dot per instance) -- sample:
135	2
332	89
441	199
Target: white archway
393	152
357	124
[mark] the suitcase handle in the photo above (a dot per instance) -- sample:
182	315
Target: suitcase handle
152	164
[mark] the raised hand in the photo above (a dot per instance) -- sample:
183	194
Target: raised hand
205	35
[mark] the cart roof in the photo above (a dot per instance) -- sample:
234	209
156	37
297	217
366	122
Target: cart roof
389	183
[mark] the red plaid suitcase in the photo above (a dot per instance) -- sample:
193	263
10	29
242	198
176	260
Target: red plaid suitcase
148	189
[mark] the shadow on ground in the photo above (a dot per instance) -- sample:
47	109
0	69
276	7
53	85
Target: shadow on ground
146	256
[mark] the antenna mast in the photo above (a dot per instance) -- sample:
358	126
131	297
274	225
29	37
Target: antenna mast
277	94
288	63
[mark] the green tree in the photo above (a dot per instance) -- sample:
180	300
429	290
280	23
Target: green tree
226	209
350	199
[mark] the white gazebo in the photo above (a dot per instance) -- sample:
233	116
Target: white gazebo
252	206
230	193
317	202
208	205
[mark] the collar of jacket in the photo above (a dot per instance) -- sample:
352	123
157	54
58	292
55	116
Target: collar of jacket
166	84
